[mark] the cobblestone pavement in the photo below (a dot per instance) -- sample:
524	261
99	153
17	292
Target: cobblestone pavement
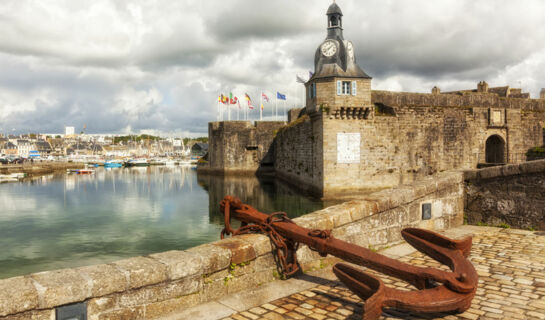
511	267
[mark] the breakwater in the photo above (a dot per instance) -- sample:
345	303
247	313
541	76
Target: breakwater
39	168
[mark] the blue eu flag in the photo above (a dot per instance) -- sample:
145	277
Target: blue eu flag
280	96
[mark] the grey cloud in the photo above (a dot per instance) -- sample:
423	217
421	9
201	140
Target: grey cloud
68	63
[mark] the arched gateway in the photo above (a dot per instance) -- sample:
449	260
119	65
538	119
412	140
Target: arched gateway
495	149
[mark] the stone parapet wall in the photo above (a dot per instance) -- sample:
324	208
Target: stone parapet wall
455	100
159	284
511	195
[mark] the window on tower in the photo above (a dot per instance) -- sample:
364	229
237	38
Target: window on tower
334	22
346	88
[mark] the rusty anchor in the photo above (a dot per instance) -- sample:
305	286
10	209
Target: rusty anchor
438	290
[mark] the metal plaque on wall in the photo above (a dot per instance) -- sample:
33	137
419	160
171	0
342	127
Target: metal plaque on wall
348	147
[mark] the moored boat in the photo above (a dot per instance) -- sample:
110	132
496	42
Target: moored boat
137	163
81	171
113	164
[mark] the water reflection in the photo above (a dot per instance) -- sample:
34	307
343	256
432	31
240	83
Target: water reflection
60	220
266	194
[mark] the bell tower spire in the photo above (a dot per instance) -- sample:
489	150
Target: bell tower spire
334	22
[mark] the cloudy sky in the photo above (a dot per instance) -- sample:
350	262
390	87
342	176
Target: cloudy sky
140	66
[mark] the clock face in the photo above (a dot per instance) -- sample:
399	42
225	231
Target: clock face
350	50
329	48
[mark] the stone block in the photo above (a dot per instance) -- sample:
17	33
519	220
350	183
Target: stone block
96	306
533	166
160	292
215	258
33	315
419	190
243	282
360	239
304	254
17	295
401	196
510	170
142	271
180	264
59	287
135	313
361	210
430	185
489	173
394	235
415	214
378	237
261	243
213	290
380	201
104	279
447	181
241	251
340	214
163	308
315	220
265	262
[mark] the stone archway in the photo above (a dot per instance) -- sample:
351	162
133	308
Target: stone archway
495	149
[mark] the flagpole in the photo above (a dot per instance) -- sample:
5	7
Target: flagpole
276	107
229	108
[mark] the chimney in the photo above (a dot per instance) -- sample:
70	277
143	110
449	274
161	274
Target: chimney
435	90
542	94
482	87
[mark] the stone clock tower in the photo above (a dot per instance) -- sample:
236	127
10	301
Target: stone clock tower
339	87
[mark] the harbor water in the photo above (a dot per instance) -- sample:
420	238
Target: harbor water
62	220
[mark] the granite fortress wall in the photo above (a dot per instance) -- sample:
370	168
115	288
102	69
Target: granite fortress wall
154	286
407	137
240	147
512	194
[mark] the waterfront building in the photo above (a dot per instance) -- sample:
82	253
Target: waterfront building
349	138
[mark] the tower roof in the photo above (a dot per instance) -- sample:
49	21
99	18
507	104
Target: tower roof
334	9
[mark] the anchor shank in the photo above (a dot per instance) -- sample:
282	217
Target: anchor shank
347	251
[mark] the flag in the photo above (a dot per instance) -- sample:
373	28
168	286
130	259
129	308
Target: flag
265	96
299	79
262	107
247	97
231	100
224	99
238	102
280	96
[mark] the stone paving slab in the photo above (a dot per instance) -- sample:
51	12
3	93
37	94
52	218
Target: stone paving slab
510	264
